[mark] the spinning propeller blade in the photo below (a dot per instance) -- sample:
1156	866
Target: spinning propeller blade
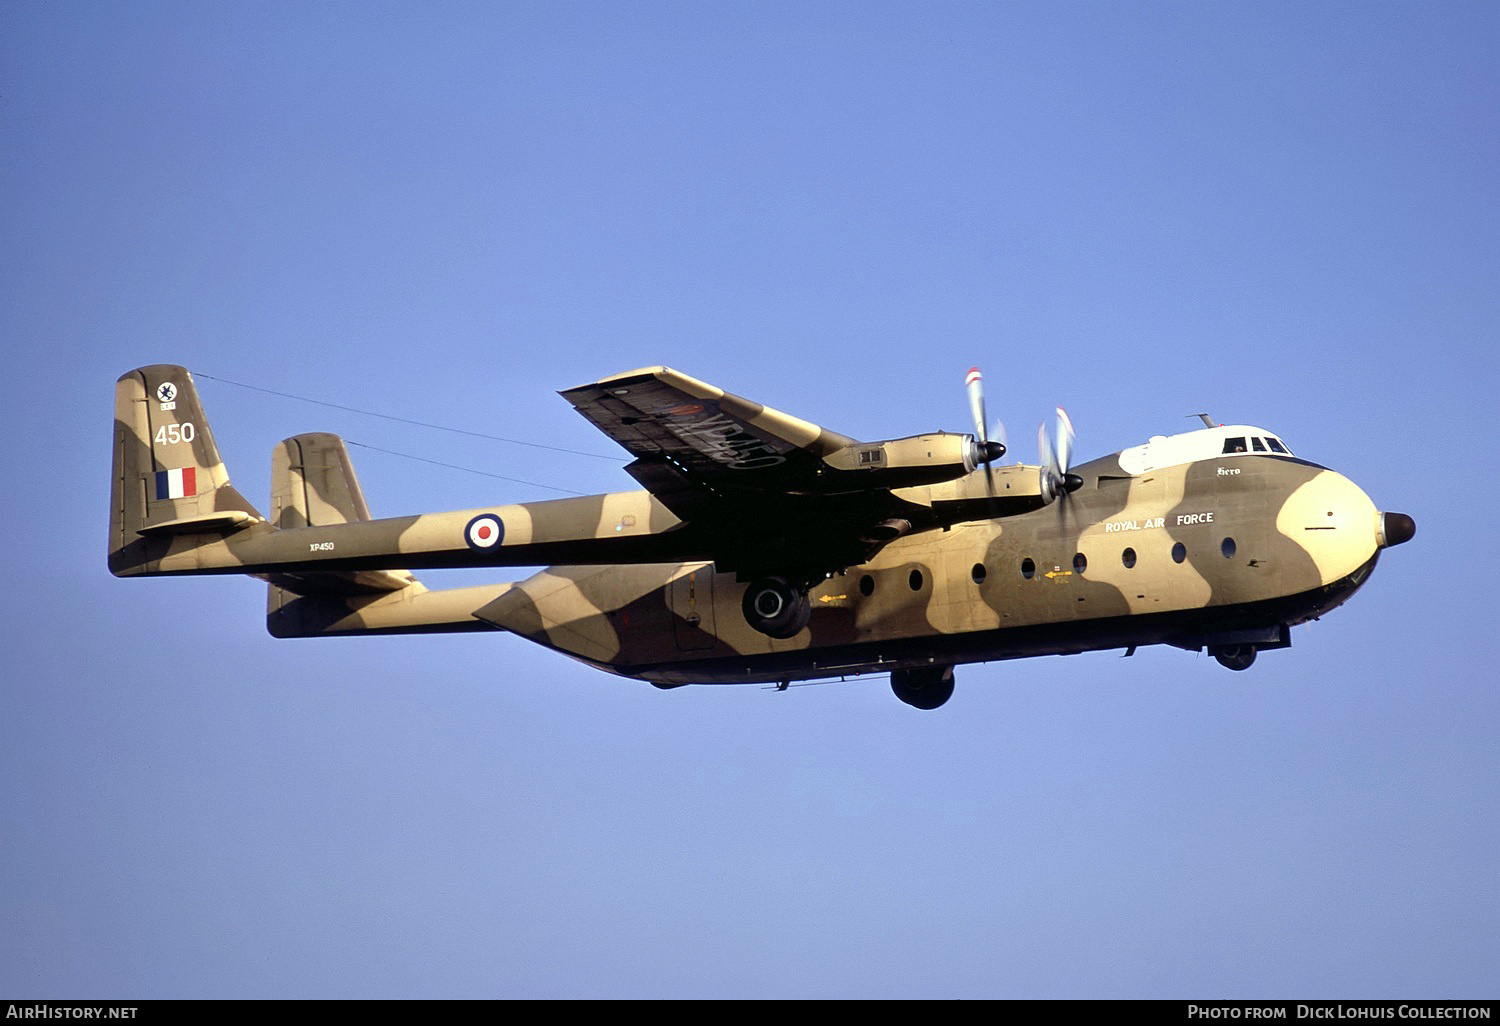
985	450
1056	456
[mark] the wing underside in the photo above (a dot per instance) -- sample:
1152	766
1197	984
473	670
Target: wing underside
760	490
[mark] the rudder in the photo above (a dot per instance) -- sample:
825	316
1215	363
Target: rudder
170	491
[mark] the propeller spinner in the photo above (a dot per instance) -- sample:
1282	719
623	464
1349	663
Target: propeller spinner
1056	481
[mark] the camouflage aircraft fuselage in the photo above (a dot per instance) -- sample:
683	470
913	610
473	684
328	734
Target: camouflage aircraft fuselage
909	556
1238	546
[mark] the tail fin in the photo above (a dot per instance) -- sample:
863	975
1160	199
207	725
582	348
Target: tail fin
313	485
173	511
171	503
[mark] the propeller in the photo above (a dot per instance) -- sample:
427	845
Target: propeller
985	450
1056	456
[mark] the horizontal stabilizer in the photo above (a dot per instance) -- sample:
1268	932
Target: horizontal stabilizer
202	523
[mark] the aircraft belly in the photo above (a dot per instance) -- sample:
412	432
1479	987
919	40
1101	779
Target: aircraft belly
1177	627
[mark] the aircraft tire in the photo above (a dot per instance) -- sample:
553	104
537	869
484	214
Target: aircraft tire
776	607
923	687
1235	657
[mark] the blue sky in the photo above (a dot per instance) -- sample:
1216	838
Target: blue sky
1283	214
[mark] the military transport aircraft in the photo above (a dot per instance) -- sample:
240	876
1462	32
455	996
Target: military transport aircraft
766	549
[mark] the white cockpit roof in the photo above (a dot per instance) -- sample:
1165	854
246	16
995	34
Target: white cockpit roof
1224	442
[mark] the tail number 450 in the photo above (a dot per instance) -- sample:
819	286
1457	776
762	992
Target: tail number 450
171	434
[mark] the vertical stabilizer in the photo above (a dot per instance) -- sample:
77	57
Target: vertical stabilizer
313	483
171	504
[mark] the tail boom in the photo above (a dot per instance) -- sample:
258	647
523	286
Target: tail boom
174	511
332	569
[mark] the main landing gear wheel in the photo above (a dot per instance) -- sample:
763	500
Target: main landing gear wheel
776	607
1236	657
924	687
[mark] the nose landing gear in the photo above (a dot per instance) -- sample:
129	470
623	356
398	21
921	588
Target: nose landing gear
1235	657
1237	648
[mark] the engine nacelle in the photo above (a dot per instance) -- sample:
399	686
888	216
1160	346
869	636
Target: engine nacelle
918	460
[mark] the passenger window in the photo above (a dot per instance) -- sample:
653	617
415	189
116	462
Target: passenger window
1234	445
1179	552
1028	568
867	585
1227	547
1257	445
915	580
1128	558
1080	563
978	573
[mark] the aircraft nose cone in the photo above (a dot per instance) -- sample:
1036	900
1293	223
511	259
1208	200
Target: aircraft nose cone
1397	528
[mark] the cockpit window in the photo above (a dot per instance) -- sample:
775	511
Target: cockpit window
1234	445
1276	446
1257	445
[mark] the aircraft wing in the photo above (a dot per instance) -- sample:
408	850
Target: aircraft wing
759	490
693	442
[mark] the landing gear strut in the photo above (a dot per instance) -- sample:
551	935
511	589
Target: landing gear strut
776	607
1236	657
925	687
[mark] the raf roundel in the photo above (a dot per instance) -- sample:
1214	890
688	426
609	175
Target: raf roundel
484	532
